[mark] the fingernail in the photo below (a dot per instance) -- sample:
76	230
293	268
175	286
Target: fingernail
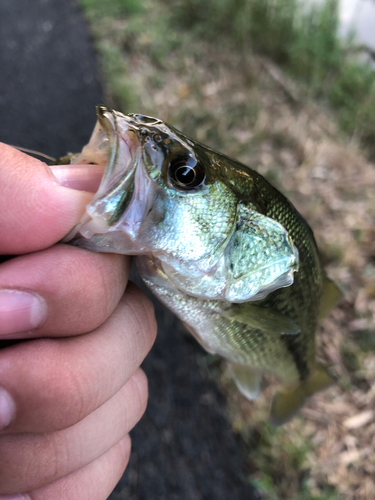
7	409
15	497
20	312
79	177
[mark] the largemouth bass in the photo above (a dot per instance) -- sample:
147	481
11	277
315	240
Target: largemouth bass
216	243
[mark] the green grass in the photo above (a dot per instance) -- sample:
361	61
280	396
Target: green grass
112	8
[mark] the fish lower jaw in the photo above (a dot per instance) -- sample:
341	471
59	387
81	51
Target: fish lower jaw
130	230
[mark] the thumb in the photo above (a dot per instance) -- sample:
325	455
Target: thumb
38	207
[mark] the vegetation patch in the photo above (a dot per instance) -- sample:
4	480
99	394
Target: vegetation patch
304	41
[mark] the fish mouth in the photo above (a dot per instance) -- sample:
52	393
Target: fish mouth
115	145
116	189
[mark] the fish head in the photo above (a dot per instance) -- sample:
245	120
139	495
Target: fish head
187	207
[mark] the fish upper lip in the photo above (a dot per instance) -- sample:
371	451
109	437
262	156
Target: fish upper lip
122	147
106	118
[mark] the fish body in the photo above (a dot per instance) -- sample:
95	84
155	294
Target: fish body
218	244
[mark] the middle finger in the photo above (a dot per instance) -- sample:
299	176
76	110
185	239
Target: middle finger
55	383
77	291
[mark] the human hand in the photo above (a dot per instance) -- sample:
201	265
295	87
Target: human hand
72	390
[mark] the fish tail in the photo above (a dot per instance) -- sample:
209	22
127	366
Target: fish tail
285	404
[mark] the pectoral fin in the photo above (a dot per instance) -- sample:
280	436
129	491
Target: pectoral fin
286	403
247	380
330	298
198	337
262	318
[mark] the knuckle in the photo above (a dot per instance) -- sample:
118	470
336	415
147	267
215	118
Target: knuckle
125	445
66	400
143	313
27	462
140	384
112	279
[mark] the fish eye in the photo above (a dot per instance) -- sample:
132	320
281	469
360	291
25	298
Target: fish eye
186	173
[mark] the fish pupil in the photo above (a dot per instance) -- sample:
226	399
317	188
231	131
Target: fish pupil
186	173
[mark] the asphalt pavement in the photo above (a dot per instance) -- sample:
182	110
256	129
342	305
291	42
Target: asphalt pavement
183	448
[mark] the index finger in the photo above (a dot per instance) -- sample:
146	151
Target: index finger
35	211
